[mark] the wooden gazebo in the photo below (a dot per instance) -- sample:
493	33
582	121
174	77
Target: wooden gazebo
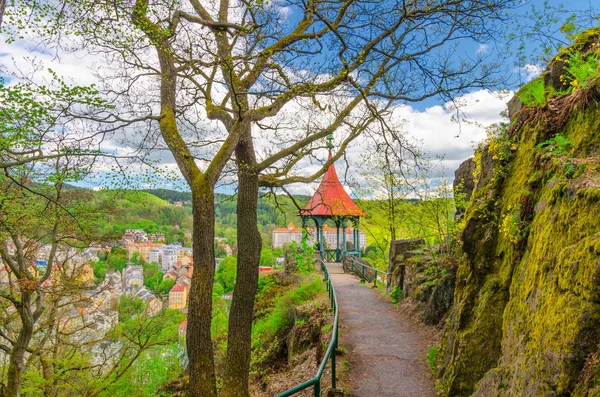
331	201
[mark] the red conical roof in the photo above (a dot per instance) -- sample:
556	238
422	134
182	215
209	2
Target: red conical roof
331	199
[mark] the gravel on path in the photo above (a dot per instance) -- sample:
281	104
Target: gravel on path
387	350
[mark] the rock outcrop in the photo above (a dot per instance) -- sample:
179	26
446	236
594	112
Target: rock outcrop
464	183
398	248
526	314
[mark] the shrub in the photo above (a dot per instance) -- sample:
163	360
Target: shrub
533	94
581	69
558	145
431	358
267	330
396	294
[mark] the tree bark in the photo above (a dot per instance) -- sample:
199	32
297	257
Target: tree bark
199	343
239	340
16	365
2	8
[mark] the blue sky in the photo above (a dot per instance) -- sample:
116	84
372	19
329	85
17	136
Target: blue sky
429	121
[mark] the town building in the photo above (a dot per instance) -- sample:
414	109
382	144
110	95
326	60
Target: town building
155	305
135	235
4	278
156	237
169	256
133	276
143	249
178	297
183	330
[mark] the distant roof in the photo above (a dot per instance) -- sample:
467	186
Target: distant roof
331	199
178	288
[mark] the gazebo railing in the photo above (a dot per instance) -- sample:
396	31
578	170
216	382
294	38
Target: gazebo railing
359	269
332	255
315	382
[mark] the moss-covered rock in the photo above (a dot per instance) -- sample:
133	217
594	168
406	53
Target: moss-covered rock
526	312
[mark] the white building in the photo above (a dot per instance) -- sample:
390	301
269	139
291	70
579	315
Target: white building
133	276
283	236
168	256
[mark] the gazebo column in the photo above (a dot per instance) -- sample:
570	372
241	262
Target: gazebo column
356	236
343	238
337	242
320	221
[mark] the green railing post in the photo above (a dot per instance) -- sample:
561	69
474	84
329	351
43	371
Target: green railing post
375	279
333	366
363	271
318	389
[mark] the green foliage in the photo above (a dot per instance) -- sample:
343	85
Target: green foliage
165	286
557	146
581	69
153	278
264	283
431	358
395	294
220	252
533	93
100	270
304	255
276	320
117	258
151	370
511	226
267	258
226	273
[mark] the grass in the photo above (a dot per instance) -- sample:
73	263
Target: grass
431	358
533	94
275	319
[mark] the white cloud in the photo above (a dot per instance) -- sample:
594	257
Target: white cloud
436	130
530	72
284	13
483	48
435	127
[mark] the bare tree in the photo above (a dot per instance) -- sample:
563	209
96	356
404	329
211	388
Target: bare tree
265	84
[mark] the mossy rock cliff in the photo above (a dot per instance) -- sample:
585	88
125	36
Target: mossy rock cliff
526	313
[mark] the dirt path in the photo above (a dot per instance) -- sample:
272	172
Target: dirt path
387	350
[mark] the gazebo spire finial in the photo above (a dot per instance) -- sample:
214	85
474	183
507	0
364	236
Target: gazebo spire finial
330	142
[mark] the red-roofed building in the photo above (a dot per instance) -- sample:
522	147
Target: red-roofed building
178	297
331	202
183	330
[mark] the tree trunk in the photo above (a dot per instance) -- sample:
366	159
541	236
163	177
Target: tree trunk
199	342
16	365
2	8
239	341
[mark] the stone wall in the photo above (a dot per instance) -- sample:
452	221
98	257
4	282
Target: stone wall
398	248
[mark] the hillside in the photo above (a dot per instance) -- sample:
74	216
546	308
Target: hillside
526	314
155	211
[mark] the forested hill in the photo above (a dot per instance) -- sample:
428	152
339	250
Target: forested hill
155	211
169	212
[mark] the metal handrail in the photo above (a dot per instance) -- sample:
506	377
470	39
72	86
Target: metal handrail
353	260
316	381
